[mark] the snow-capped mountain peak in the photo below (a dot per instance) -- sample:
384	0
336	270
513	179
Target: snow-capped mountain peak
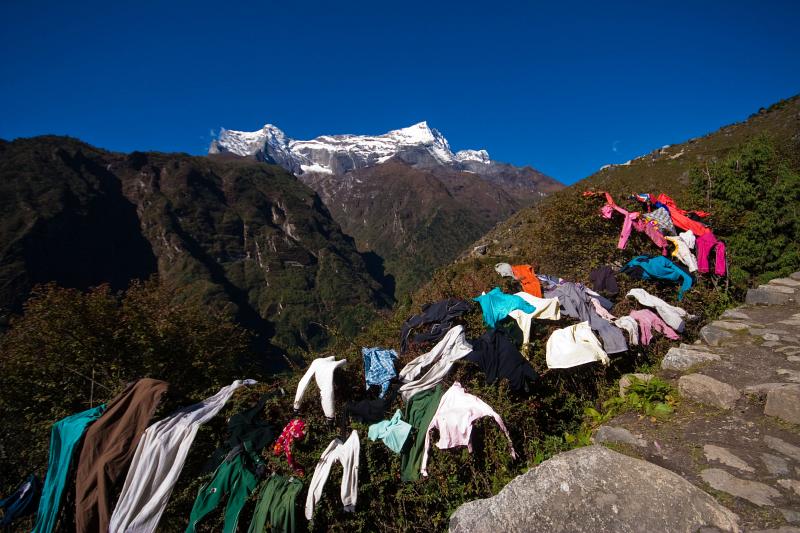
336	154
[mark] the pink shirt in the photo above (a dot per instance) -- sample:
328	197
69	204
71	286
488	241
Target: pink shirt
648	321
454	417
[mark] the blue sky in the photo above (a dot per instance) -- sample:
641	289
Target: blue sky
563	86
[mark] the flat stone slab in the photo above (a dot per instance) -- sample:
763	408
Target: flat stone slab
781	446
735	314
714	336
786	282
790	484
594	489
789	375
724	456
795	276
762	389
730	326
777	466
766	297
626	379
618	435
752	491
681	358
707	390
777	288
784	403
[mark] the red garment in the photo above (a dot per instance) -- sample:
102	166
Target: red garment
680	217
294	430
527	277
632	221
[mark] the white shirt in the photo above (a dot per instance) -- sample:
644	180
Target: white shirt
546	309
573	346
673	316
347	453
447	351
322	371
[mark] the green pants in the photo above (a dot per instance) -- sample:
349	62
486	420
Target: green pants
418	412
276	504
232	478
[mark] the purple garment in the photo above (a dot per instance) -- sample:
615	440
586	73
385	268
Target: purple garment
705	243
649	321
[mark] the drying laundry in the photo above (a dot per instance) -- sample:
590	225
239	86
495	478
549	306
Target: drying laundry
705	244
248	431
576	303
631	220
379	367
393	432
108	447
683	249
498	358
295	430
437	318
21	502
504	269
649	321
65	437
369	411
447	351
418	412
454	416
546	309
322	371
347	453
673	316
600	310
604	280
527	278
629	324
680	217
660	216
496	305
660	268
574	345
158	462
276	505
235	478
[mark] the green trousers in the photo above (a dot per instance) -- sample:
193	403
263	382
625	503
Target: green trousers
276	504
232	478
418	412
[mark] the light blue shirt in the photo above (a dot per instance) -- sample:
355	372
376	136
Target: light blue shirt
393	433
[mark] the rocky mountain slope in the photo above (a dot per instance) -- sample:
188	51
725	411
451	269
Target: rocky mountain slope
405	195
244	236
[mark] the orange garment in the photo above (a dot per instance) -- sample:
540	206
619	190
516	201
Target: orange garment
680	218
526	276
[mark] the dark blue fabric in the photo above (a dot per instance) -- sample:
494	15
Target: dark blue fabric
24	501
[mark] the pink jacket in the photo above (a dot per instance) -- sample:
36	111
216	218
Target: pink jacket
649	321
454	418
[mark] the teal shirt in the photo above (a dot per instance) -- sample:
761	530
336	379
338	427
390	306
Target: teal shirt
65	437
496	305
394	432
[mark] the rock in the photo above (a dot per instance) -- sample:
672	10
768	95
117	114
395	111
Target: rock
793	358
785	282
771	344
791	350
762	389
724	456
752	491
735	314
594	489
707	390
480	250
795	276
784	403
771	337
681	359
777	288
618	435
793	517
777	466
783	447
789	374
625	381
765	297
782	529
714	336
790	484
730	326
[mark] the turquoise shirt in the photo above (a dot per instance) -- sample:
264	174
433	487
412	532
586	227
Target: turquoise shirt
64	438
496	305
394	432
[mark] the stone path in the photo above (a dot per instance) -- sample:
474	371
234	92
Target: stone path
735	432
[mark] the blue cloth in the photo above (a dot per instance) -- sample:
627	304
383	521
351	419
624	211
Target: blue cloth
64	439
496	305
393	433
22	502
659	267
379	367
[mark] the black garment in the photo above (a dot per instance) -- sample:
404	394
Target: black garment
368	411
247	432
576	303
24	501
498	358
439	315
603	280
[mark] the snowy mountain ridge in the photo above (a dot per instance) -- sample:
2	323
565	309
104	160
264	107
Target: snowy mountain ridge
336	154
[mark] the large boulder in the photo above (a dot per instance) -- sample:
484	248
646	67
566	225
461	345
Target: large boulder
784	402
595	489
